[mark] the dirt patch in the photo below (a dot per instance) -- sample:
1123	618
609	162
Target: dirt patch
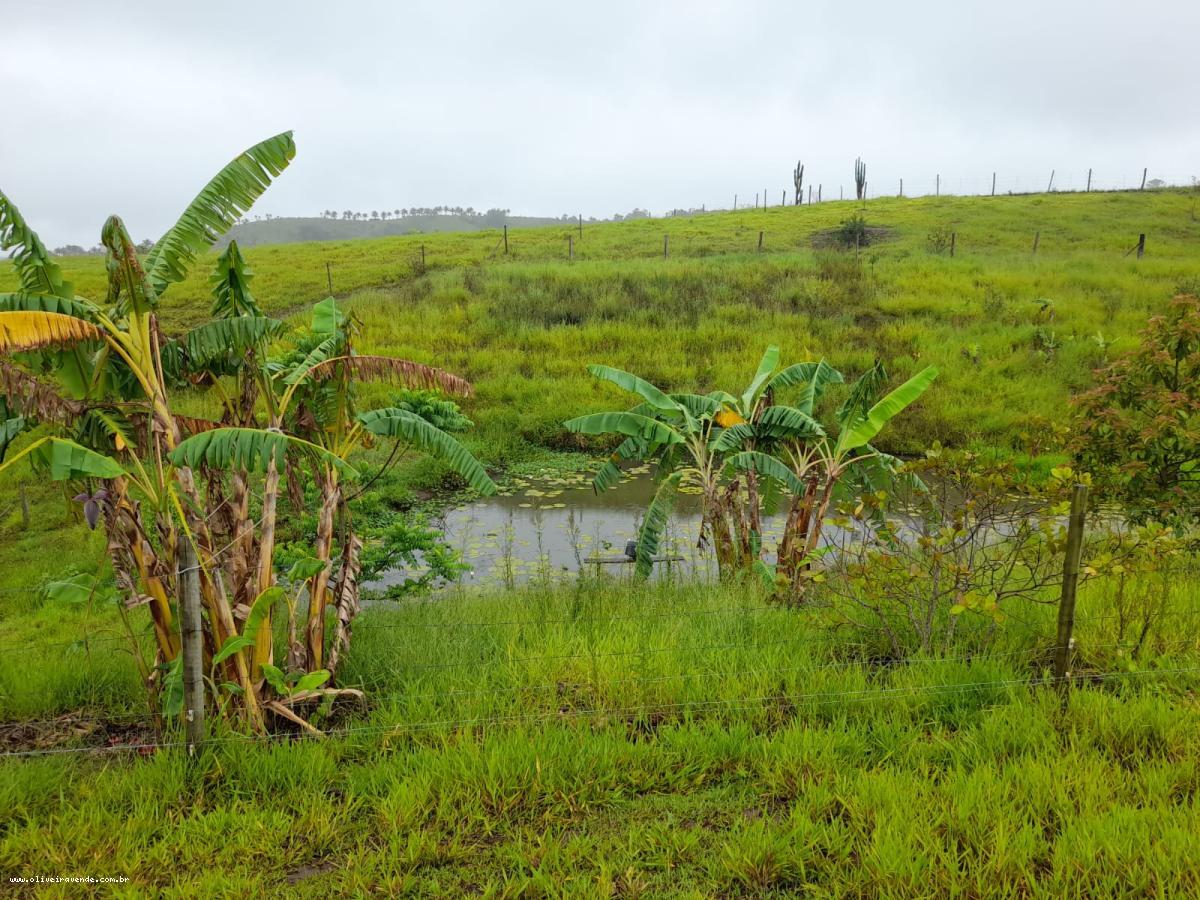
303	873
75	730
834	238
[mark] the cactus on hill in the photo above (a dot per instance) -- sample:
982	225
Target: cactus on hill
798	180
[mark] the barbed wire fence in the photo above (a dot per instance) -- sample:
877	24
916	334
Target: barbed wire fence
681	709
893	184
509	244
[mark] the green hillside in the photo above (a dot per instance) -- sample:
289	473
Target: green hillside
1014	332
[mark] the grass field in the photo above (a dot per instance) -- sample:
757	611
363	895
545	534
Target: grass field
686	741
600	738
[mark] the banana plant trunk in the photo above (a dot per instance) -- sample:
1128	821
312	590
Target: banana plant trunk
790	560
318	599
802	536
818	520
741	528
345	602
264	650
718	528
240	567
134	561
754	504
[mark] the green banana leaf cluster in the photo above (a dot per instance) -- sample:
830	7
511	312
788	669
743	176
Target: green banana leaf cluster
743	449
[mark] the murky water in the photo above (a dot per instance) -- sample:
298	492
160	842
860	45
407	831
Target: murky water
551	527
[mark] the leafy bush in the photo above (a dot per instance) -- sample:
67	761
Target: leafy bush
995	303
980	539
434	408
1139	427
419	552
853	232
938	240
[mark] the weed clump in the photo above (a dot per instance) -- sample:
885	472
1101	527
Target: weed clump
853	232
937	241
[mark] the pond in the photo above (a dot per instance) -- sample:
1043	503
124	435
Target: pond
551	527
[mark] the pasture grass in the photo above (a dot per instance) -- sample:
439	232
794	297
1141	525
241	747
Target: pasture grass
684	740
1014	333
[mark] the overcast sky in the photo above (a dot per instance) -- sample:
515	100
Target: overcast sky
594	107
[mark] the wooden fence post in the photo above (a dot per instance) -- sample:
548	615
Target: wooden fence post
810	195
840	195
901	187
1143	187
329	278
1141	245
422	257
818	193
1050	186
735	202
760	237
1089	184
756	199
666	238
953	241
570	247
993	184
581	225
938	189
506	240
783	199
1037	236
1064	641
192	649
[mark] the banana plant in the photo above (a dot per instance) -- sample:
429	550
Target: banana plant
106	418
313	404
109	388
823	462
726	443
705	440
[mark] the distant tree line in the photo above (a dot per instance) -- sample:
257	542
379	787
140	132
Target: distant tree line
75	250
492	216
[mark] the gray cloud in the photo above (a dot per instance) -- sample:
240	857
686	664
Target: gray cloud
551	107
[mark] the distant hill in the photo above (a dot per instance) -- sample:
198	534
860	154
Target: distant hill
297	230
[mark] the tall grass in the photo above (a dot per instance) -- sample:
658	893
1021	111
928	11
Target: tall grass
658	741
655	651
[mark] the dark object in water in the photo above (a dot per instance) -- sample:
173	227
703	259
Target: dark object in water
631	549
